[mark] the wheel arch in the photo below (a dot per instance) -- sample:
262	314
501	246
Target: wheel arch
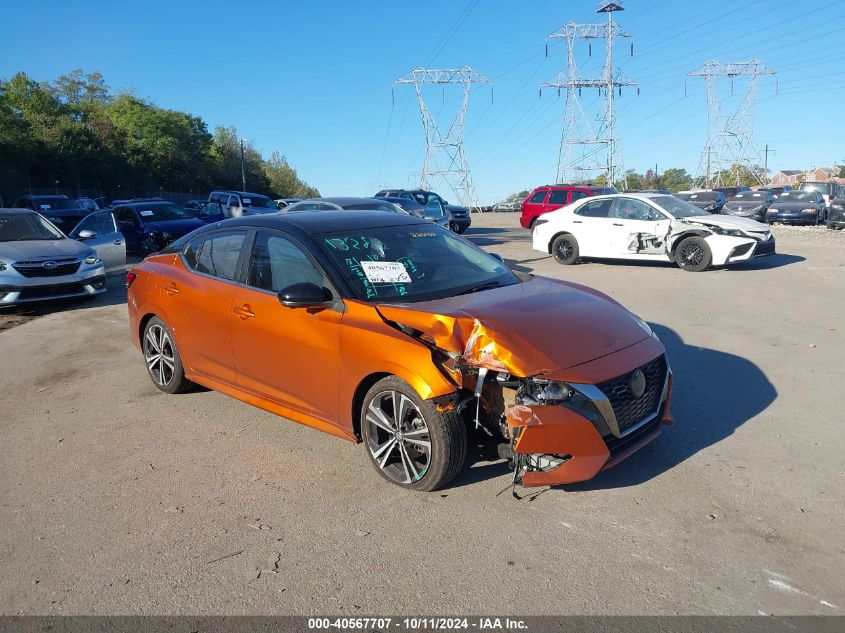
680	237
424	389
557	235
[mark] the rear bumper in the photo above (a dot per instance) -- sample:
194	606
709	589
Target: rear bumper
585	442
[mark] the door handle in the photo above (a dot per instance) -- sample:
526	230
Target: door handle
118	242
618	224
576	222
171	289
244	311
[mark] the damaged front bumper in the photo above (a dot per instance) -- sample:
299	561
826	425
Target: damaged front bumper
597	426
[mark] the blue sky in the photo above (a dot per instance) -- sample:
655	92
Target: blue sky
313	79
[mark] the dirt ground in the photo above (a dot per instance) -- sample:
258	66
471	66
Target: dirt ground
118	499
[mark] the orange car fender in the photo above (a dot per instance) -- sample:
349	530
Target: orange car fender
370	348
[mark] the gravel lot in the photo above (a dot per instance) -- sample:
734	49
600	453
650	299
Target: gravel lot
117	499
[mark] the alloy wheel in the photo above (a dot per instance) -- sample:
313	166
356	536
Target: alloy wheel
564	250
398	437
692	255
159	354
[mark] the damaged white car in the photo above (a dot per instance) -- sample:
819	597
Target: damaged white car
649	227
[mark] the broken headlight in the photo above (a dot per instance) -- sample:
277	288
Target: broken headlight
718	230
542	391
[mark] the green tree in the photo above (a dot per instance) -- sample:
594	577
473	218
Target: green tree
675	179
284	183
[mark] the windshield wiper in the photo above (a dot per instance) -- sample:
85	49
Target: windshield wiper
485	286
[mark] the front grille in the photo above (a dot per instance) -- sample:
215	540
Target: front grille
628	409
36	268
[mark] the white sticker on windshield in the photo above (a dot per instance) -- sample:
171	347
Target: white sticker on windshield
246	200
44	207
146	214
385	272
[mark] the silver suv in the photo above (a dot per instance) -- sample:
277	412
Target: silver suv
238	203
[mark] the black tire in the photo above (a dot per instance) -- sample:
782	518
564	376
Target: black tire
460	230
693	255
445	430
565	249
166	372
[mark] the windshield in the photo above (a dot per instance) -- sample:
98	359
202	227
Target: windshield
703	195
821	187
412	263
676	207
259	202
17	227
53	204
750	195
158	212
797	196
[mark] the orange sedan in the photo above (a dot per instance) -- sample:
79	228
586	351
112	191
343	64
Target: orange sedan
391	331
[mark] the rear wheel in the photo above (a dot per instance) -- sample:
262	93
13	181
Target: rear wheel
409	442
565	249
164	364
693	255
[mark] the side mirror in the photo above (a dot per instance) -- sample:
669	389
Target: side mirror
86	235
498	258
304	295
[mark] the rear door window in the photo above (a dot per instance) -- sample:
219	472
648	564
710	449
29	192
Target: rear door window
219	254
558	196
577	194
595	209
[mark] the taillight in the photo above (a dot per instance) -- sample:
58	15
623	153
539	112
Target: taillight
130	277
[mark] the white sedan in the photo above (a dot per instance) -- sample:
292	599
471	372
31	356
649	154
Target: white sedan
649	227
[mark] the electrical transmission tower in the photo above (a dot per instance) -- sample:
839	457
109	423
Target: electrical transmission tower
730	152
583	143
444	153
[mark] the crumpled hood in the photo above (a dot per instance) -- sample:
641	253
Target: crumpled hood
535	327
175	227
728	222
42	249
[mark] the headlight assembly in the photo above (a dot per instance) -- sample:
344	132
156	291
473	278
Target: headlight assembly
542	391
93	259
3	266
809	211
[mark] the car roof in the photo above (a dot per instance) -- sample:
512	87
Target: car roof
342	200
46	195
241	193
16	211
323	221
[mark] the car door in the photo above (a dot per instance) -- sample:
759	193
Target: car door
197	300
591	227
130	227
533	207
637	230
99	231
289	355
557	198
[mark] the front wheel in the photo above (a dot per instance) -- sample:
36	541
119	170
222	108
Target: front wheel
693	255
565	249
409	442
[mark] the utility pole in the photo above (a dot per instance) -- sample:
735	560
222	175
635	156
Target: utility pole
730	138
766	162
243	169
581	144
444	153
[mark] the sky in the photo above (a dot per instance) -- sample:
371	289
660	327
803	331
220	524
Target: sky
314	79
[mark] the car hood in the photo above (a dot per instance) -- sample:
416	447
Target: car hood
793	206
728	222
175	227
744	204
455	208
534	327
43	249
701	204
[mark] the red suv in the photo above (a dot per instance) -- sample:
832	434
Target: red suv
550	197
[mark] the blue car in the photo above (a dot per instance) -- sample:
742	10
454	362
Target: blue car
151	224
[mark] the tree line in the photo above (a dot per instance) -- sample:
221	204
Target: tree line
75	131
